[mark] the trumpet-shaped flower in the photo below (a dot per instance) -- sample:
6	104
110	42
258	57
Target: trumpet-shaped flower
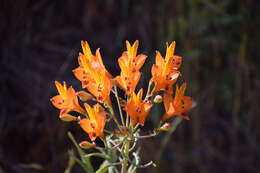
130	64
95	123
66	101
93	74
179	105
138	109
165	71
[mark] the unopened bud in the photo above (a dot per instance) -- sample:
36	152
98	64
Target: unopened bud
122	102
165	127
158	99
68	117
84	96
87	145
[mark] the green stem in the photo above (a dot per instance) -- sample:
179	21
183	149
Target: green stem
119	106
125	155
113	115
166	139
147	136
149	90
127	120
136	127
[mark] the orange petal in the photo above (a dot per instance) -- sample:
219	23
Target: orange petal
130	108
159	61
98	55
128	46
123	64
72	101
139	96
168	88
168	105
61	88
186	102
167	99
121	83
86	48
85	124
146	107
182	89
170	52
135	77
58	102
101	122
139	61
134	48
93	88
90	111
155	70
80	74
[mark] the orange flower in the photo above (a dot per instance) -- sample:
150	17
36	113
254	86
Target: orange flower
130	65
137	109
179	105
88	58
93	74
66	101
165	71
95	123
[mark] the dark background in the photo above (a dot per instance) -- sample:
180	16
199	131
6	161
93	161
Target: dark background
218	39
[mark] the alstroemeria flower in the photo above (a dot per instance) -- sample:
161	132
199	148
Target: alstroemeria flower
138	109
66	101
130	65
165	71
93	74
95	61
95	123
179	105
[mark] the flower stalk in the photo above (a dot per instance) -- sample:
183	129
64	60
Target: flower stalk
119	106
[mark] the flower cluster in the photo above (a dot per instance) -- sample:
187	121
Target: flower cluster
134	107
99	82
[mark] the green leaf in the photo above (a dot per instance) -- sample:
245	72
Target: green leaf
104	167
80	151
104	156
85	163
71	162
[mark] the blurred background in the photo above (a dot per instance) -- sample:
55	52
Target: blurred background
218	39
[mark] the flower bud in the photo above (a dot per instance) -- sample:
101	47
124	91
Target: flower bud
87	145
68	117
158	99
165	127
122	102
84	96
